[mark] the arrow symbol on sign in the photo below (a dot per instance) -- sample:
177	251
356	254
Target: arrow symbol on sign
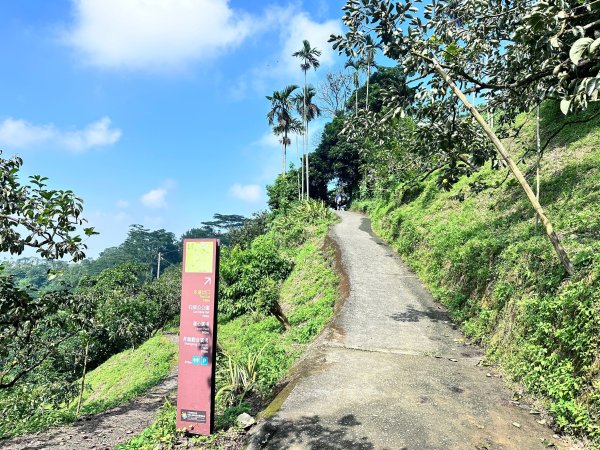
207	280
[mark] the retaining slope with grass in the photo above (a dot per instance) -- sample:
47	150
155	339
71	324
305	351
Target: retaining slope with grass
485	257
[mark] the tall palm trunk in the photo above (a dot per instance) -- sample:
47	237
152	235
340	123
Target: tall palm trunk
368	77
307	179
282	157
538	156
298	172
356	93
284	151
305	146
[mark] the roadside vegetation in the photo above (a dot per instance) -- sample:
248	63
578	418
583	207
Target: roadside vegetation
476	155
484	257
78	349
478	161
289	291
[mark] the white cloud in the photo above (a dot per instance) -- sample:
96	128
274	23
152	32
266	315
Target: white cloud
96	134
291	26
317	33
20	134
155	35
156	198
246	192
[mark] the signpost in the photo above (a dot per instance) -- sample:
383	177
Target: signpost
198	336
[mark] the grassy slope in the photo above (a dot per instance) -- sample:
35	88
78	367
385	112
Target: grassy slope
121	378
486	259
128	374
307	296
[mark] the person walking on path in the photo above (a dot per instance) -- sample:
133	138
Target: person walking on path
338	201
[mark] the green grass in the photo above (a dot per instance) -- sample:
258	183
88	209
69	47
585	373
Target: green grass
307	297
128	374
492	265
120	379
163	435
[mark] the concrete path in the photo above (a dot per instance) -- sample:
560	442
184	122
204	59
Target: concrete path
391	372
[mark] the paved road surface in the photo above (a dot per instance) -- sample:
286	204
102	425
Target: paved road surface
392	373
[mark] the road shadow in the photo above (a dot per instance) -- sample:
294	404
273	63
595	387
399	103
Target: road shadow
309	432
412	314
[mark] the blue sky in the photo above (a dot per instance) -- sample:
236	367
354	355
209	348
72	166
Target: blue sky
152	111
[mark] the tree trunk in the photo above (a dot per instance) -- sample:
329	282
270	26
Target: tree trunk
538	155
301	161
305	125
307	175
560	251
282	157
298	171
368	77
280	316
285	140
356	96
307	179
82	387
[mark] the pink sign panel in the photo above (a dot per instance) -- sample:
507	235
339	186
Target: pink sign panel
198	336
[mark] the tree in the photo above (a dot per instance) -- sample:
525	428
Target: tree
143	246
250	280
220	228
368	61
335	159
309	56
280	116
309	111
282	193
514	54
252	228
356	65
333	93
34	216
32	329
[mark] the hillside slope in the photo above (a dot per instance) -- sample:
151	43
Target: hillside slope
480	251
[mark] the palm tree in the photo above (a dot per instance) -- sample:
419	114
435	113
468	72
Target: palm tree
356	65
294	126
280	115
309	56
311	112
368	61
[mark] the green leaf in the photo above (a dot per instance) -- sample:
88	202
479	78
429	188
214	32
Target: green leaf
565	104
594	46
578	48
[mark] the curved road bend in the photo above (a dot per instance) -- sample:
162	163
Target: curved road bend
391	372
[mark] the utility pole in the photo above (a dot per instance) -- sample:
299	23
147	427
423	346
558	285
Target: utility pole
158	267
